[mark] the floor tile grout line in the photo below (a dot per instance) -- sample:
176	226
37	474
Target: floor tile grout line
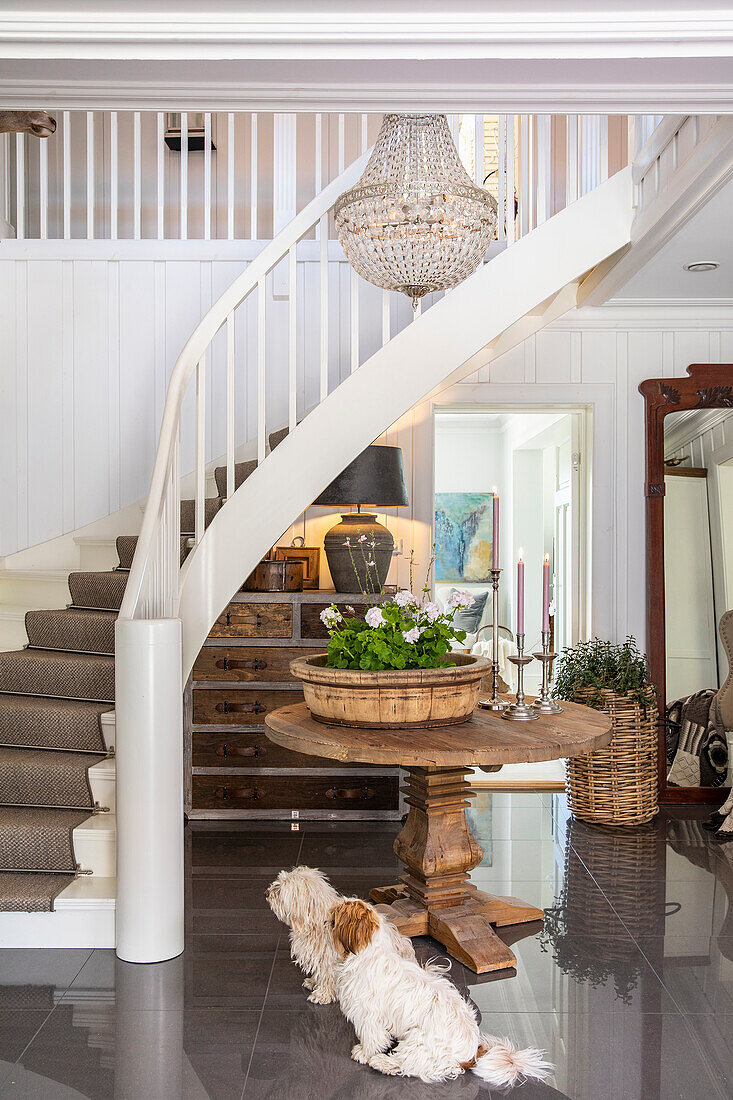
50	1014
633	939
267	989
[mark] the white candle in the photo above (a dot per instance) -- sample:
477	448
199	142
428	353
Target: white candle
520	595
546	593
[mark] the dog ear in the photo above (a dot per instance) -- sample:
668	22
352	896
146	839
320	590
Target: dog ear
354	923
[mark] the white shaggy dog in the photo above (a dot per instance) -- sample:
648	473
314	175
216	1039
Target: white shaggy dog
303	899
388	997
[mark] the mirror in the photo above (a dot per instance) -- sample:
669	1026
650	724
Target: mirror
690	577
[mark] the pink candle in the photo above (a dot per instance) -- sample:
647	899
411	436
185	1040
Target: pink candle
520	595
495	533
546	593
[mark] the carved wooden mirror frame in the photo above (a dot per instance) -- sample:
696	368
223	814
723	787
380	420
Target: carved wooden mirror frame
709	386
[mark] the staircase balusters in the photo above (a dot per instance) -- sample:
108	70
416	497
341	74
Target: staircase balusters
184	177
136	177
253	177
160	174
114	171
200	517
230	405
292	337
261	370
20	186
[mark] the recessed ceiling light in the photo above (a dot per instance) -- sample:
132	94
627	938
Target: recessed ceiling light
702	265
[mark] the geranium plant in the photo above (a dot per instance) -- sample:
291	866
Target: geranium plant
402	632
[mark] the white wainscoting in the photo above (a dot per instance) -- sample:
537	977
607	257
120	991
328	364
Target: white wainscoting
88	347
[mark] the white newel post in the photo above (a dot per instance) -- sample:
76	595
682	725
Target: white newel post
149	759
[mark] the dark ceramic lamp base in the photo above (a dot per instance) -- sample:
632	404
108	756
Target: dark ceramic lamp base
348	564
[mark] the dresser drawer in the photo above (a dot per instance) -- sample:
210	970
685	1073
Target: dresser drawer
244	663
290	792
238	707
252	750
310	618
254	620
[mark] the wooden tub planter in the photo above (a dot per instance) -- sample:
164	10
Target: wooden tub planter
414	698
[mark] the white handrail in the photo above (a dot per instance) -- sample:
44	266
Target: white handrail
186	364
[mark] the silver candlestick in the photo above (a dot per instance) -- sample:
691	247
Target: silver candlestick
520	711
543	704
494	703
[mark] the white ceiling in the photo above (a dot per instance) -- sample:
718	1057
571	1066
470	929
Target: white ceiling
707	235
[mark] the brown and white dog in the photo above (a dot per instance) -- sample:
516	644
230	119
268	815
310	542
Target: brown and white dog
303	899
388	997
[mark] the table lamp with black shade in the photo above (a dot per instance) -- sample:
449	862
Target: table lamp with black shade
375	477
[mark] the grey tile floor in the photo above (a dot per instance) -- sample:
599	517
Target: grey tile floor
629	987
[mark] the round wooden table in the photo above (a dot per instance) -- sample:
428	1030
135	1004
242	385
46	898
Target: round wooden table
436	845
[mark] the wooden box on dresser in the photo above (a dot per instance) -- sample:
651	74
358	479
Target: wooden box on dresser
243	671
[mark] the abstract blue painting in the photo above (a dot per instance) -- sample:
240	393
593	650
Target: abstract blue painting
463	536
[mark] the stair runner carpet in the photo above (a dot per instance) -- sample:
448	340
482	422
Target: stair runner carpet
52	696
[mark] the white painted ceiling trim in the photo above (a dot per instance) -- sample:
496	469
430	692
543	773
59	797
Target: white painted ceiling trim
368	55
396	29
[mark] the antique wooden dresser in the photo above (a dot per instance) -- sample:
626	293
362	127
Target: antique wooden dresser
241	674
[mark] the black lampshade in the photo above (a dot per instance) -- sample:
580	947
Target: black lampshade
376	476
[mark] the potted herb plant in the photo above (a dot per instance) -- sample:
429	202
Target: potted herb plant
617	785
395	666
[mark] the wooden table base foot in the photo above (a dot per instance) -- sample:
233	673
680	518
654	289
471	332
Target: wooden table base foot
465	930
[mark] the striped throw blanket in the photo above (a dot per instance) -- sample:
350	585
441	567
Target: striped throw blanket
697	747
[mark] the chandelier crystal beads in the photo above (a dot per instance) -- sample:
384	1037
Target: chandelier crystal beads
415	222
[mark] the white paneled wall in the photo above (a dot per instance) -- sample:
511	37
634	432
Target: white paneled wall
88	346
594	358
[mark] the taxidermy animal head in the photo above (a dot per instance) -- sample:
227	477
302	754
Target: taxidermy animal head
37	123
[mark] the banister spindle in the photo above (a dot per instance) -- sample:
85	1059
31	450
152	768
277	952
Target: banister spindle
200	505
230	176
137	158
253	178
524	167
43	188
292	337
503	201
20	186
207	176
318	157
231	408
386	318
341	144
354	319
66	153
184	177
571	159
160	197
479	171
90	175
323	263
261	371
113	175
511	184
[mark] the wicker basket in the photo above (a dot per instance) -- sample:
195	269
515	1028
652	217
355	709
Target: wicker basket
618	785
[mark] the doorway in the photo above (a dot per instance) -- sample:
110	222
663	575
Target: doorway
533	459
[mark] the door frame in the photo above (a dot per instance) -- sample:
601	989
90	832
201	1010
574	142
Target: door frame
582	437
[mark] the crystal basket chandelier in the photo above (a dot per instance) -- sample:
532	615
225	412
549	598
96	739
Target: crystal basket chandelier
415	222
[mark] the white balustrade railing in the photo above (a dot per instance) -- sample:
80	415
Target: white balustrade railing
110	175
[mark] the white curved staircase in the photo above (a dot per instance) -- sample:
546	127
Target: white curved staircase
169	608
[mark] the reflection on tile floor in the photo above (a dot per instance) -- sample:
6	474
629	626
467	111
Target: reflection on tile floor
629	985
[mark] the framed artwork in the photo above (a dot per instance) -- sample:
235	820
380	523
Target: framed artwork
310	557
463	537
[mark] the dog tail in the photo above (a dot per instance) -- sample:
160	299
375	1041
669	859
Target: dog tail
500	1063
438	964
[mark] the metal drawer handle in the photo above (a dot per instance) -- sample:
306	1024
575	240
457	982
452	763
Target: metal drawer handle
233	750
363	793
240	708
259	620
254	663
229	618
236	792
